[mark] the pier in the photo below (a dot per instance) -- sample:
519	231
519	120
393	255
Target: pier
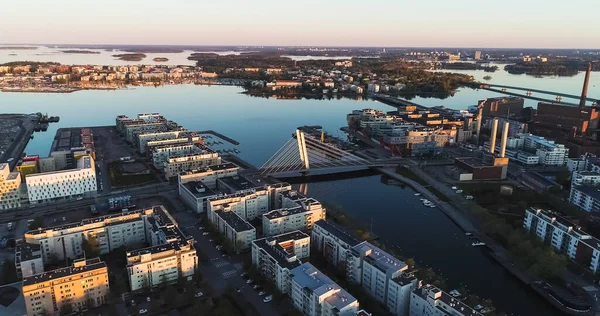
230	140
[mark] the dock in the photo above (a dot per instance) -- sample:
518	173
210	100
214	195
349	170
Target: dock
15	133
230	140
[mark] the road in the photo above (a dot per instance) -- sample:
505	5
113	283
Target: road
222	272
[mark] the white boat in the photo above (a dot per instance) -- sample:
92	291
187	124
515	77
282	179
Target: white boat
432	205
468	234
417	194
477	244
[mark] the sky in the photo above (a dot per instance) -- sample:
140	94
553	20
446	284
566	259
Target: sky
382	23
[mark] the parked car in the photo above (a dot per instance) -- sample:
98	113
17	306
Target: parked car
249	281
148	299
143	311
268	298
238	290
199	294
261	293
205	233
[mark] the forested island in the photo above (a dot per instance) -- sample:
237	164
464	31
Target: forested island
550	68
160	59
75	51
18	47
130	57
468	66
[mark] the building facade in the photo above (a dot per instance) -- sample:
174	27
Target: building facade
431	301
276	256
10	183
332	242
315	294
238	231
297	213
80	286
63	185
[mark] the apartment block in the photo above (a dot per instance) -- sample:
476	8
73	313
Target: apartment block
198	156
374	269
81	286
238	231
10	183
276	256
183	138
144	138
248	204
63	185
564	236
297	213
28	260
315	294
586	197
431	301
332	242
209	175
399	292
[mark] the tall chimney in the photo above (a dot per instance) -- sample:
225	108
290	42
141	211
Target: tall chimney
504	139
585	85
479	118
493	139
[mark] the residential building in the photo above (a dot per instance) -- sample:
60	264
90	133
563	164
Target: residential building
143	139
78	287
64	184
531	149
28	260
238	231
191	158
431	301
209	175
196	195
315	294
276	256
585	178
564	236
248	204
399	291
47	164
183	138
297	213
27	167
332	242
373	268
10	183
586	197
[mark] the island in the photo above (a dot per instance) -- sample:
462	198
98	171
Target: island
75	51
18	47
160	59
130	57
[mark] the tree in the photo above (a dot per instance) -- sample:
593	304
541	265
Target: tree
9	272
91	247
66	309
410	262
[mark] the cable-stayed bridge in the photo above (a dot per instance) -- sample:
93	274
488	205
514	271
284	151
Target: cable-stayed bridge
304	153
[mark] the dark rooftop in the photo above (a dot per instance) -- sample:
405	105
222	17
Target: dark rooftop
233	220
29	251
199	189
223	166
590	190
237	183
90	265
338	232
283	258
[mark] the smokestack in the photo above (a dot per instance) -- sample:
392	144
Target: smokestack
504	139
493	139
479	118
585	85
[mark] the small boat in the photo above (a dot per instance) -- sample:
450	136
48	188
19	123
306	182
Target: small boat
477	244
468	234
417	194
432	206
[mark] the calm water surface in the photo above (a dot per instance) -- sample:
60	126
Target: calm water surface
263	125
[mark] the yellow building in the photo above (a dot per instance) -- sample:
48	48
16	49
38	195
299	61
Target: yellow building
9	188
27	167
80	286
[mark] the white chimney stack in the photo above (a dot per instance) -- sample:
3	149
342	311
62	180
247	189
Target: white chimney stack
479	119
493	139
504	139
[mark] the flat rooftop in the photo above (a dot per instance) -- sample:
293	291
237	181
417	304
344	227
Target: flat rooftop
379	258
283	212
219	167
199	189
90	265
448	299
590	190
233	220
308	277
29	251
277	252
473	162
338	232
237	183
13	176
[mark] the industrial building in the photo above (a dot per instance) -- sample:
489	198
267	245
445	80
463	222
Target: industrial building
63	185
276	256
81	286
502	106
431	301
10	183
315	294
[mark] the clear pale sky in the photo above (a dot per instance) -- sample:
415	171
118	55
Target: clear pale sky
405	23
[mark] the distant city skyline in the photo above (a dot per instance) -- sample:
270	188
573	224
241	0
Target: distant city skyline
470	24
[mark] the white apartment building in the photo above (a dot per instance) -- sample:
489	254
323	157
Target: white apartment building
585	178
297	213
183	138
431	301
143	139
65	184
200	157
399	292
162	154
28	260
586	197
248	204
374	269
209	175
564	236
315	294
276	256
238	231
10	182
550	153
332	242
161	264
